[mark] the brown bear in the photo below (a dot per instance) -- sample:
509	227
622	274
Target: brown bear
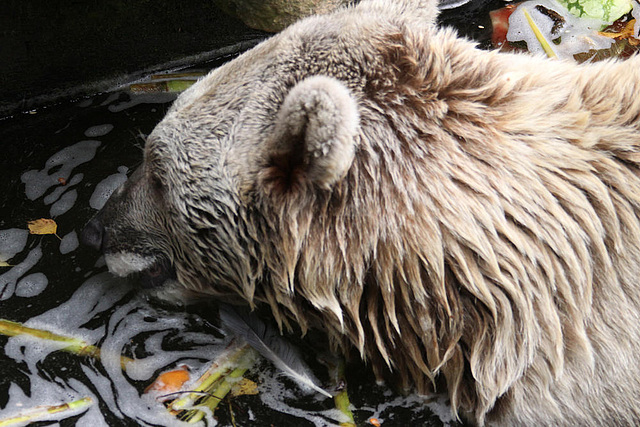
454	215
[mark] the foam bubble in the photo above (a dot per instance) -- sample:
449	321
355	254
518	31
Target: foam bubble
577	35
31	285
106	187
437	404
9	279
12	241
69	243
99	130
275	394
37	182
65	203
54	195
58	191
75	179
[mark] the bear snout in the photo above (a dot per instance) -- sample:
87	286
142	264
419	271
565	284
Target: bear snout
92	234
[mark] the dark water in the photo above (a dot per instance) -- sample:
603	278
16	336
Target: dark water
62	162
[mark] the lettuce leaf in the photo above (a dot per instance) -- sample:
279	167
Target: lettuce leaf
604	10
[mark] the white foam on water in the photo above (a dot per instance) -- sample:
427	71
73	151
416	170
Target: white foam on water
275	394
37	182
635	12
132	323
75	179
129	322
9	279
58	191
98	294
31	285
64	203
65	319
12	242
106	187
50	392
437	404
69	243
54	195
99	130
441	407
201	348
577	35
19	402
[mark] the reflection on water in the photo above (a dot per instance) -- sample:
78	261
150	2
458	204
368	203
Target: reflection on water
65	162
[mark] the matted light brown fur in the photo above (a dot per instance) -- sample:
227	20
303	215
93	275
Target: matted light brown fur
445	211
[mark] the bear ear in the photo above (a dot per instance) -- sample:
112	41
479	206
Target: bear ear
315	134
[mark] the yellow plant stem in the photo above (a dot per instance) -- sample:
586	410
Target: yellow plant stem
341	399
194	75
74	345
220	368
541	39
211	402
167	86
342	404
41	412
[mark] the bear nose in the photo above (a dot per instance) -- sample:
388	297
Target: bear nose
92	234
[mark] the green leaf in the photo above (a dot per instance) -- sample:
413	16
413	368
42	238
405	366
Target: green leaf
604	10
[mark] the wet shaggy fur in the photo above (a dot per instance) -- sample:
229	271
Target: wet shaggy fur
451	214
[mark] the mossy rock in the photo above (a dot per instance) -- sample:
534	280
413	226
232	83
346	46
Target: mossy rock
275	15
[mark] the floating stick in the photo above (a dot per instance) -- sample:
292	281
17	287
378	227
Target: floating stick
44	411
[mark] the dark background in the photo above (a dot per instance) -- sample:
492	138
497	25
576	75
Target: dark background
55	49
